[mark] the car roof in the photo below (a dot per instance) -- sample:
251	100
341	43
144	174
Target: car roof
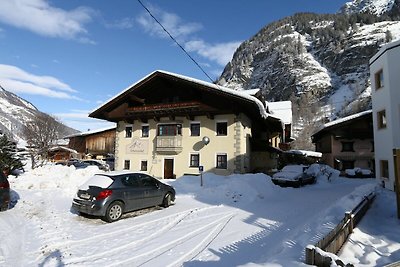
118	173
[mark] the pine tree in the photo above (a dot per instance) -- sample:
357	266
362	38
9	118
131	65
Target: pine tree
9	160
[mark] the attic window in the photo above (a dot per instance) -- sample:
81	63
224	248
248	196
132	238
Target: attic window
379	80
128	131
222	128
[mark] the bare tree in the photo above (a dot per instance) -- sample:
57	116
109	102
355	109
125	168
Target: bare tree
41	133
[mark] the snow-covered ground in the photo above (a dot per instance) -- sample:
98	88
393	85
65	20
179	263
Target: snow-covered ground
239	220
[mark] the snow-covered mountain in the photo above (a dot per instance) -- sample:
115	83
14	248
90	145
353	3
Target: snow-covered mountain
376	7
319	62
15	112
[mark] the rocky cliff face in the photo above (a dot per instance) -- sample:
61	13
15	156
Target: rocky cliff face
320	62
15	112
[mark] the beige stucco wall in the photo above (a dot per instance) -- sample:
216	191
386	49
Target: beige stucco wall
235	145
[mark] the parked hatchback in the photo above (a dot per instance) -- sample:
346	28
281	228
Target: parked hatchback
4	192
111	194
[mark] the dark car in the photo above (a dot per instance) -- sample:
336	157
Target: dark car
100	164
77	163
111	194
293	175
4	192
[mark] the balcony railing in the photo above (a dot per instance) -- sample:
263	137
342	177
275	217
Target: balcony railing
169	144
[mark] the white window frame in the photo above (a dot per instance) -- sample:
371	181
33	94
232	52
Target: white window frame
126	126
216	161
190	128
125	161
141	131
190	159
140	165
216	127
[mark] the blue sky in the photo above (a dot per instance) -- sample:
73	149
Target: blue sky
68	57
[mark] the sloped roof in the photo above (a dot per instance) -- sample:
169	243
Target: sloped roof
63	148
240	95
91	132
343	120
282	110
383	49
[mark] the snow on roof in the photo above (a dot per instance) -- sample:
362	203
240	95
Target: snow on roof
242	94
91	132
252	91
383	49
305	153
282	110
348	118
63	148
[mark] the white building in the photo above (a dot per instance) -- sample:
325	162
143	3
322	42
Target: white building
385	83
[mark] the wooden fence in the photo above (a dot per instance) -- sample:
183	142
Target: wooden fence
335	239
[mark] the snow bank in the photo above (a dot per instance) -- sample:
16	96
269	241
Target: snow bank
67	179
321	171
243	188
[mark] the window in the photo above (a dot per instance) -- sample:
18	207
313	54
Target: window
195	129
384	169
128	131
222	161
127	164
347	147
169	129
131	180
143	165
145	130
379	79
147	180
381	116
347	164
222	128
194	160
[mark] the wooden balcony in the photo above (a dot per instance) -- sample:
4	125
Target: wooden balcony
169	144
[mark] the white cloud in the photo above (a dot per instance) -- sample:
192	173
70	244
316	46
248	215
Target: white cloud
220	53
41	18
79	119
122	24
17	80
171	22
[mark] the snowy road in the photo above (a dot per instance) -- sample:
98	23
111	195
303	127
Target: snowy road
239	220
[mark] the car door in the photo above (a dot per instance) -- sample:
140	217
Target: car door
133	192
152	192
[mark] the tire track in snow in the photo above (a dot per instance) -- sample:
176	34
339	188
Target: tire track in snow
154	254
176	218
84	260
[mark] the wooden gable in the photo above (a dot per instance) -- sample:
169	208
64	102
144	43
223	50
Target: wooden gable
164	95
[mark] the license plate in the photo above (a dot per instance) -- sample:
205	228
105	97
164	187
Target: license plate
85	196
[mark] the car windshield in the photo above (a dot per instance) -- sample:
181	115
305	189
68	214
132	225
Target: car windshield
97	180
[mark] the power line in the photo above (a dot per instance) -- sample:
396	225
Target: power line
181	47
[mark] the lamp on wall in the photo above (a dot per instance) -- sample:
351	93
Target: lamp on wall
205	140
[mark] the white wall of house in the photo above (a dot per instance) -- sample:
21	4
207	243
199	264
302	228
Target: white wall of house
235	145
387	99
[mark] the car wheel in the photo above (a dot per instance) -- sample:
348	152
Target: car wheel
114	211
300	182
167	200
